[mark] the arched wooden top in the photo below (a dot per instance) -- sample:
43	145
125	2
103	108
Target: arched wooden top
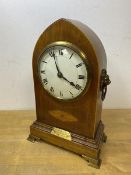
95	42
78	34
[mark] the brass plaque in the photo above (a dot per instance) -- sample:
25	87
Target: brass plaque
61	133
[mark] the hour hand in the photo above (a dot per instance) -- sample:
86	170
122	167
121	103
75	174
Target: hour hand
71	83
78	87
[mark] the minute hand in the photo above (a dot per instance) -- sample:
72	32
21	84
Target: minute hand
59	74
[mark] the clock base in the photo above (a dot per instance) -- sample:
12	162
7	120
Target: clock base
89	149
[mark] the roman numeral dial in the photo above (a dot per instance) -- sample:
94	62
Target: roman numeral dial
81	76
63	72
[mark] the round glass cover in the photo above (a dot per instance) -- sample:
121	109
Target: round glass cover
63	71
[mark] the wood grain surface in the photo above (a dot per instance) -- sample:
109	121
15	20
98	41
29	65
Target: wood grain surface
21	157
87	108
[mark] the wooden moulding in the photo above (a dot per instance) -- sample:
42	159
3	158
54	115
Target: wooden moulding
89	149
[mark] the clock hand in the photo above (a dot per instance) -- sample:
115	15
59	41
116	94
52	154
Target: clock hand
59	74
72	84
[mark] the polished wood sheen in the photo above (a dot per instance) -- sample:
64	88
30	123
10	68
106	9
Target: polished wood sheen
81	117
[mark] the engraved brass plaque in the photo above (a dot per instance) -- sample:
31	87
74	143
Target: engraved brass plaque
61	133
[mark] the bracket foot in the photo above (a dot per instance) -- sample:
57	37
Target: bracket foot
32	138
96	163
104	138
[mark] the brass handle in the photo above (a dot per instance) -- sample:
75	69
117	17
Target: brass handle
105	80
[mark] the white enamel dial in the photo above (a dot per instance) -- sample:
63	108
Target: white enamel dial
63	72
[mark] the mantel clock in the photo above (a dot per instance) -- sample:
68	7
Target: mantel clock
70	82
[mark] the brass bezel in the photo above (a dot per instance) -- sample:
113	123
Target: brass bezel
83	57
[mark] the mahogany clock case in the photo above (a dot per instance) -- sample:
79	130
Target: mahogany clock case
80	117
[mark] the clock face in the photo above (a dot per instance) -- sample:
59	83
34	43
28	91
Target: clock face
63	71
